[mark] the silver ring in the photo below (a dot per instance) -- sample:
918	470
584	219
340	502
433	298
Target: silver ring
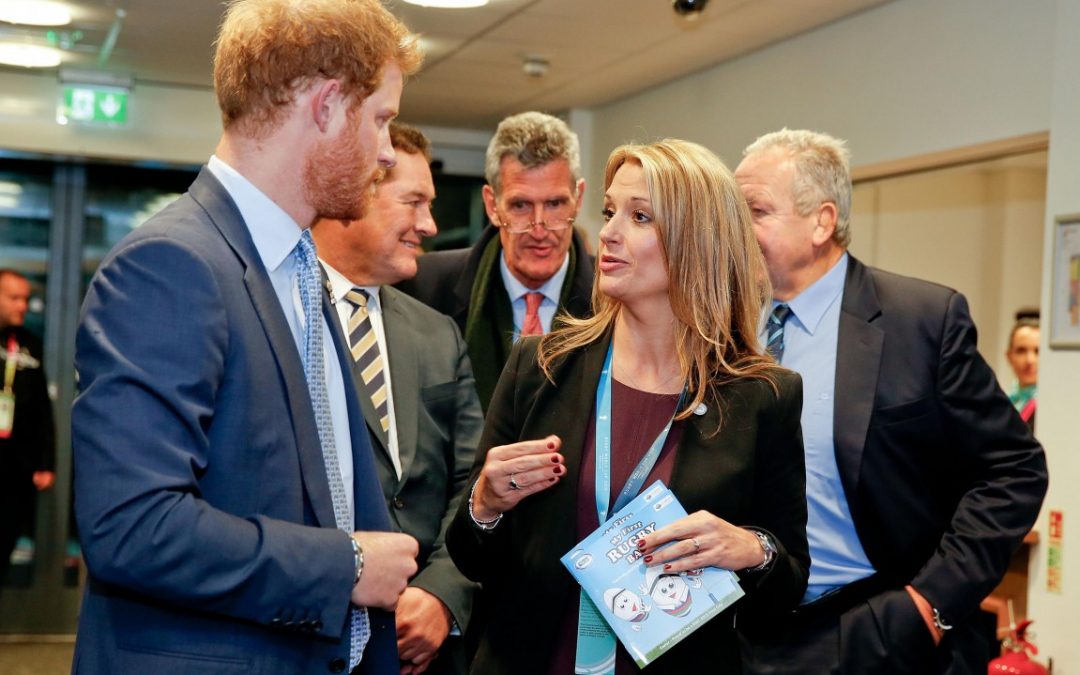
696	543
513	483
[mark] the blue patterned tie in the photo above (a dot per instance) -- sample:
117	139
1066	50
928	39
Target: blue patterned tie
774	329
307	269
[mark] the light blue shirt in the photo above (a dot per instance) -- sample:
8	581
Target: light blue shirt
810	342
275	237
551	289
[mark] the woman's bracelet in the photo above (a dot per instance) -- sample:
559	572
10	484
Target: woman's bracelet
485	525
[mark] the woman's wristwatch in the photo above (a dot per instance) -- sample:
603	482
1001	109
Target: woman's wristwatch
767	547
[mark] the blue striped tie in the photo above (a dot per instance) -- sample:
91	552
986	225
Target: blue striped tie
774	329
307	267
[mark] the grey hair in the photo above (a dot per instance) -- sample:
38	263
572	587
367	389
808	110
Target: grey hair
822	172
534	139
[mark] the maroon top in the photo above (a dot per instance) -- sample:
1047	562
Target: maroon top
637	418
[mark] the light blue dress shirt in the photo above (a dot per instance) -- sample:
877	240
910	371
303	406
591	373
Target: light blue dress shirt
810	341
275	236
551	289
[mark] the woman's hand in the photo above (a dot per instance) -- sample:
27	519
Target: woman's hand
513	472
700	540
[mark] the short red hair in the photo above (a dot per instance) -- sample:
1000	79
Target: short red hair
268	49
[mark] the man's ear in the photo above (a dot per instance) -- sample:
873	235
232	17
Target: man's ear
325	99
489	203
826	223
580	190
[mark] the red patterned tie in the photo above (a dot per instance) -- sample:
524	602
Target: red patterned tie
532	325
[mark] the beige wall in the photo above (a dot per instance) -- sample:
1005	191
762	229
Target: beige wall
977	229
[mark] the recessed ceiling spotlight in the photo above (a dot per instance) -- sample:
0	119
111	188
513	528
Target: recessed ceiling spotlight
449	4
35	12
691	9
28	56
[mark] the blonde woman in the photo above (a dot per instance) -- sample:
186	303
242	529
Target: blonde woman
678	297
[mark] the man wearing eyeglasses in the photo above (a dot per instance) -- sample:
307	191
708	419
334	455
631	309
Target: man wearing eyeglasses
529	264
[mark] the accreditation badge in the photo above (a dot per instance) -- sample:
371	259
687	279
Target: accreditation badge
7	413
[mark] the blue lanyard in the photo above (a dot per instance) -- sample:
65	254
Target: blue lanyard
603	448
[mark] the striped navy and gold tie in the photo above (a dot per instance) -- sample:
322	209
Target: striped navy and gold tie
365	352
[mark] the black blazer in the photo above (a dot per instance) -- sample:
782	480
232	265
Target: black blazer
750	473
942	477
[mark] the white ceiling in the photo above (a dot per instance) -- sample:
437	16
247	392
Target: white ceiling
598	50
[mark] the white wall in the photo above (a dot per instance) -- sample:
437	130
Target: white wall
1059	370
903	79
167	124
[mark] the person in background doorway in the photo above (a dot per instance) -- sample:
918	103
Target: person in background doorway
1023	355
27	436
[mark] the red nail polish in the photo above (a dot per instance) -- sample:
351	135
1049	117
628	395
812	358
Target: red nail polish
641	543
667	567
557	470
551	445
648	559
555	459
552	480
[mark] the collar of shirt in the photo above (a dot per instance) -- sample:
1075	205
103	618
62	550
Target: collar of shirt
340	286
551	289
277	233
810	305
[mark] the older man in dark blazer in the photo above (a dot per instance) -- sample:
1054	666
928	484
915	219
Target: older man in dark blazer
419	399
921	477
228	503
529	264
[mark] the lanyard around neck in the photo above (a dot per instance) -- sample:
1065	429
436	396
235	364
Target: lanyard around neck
9	365
603	448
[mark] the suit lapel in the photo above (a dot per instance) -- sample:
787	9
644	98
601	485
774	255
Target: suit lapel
860	343
210	194
404	366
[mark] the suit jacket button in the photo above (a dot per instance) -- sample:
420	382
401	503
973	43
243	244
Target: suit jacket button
398	504
337	666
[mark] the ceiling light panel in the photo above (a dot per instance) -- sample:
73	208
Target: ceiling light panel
35	12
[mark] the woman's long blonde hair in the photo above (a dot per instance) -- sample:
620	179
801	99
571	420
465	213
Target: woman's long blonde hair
717	282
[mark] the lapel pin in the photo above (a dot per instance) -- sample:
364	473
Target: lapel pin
701	409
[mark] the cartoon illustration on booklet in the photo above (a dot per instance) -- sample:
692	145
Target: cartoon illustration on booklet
648	610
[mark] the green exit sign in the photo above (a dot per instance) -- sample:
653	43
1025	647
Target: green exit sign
94	105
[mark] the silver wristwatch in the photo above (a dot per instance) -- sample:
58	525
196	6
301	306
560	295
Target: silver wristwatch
767	547
358	559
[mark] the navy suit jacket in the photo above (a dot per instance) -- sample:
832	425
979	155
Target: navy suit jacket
200	489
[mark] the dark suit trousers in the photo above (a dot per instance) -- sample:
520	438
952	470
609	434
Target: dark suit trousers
861	631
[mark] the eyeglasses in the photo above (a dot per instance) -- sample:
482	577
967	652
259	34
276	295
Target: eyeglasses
551	225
